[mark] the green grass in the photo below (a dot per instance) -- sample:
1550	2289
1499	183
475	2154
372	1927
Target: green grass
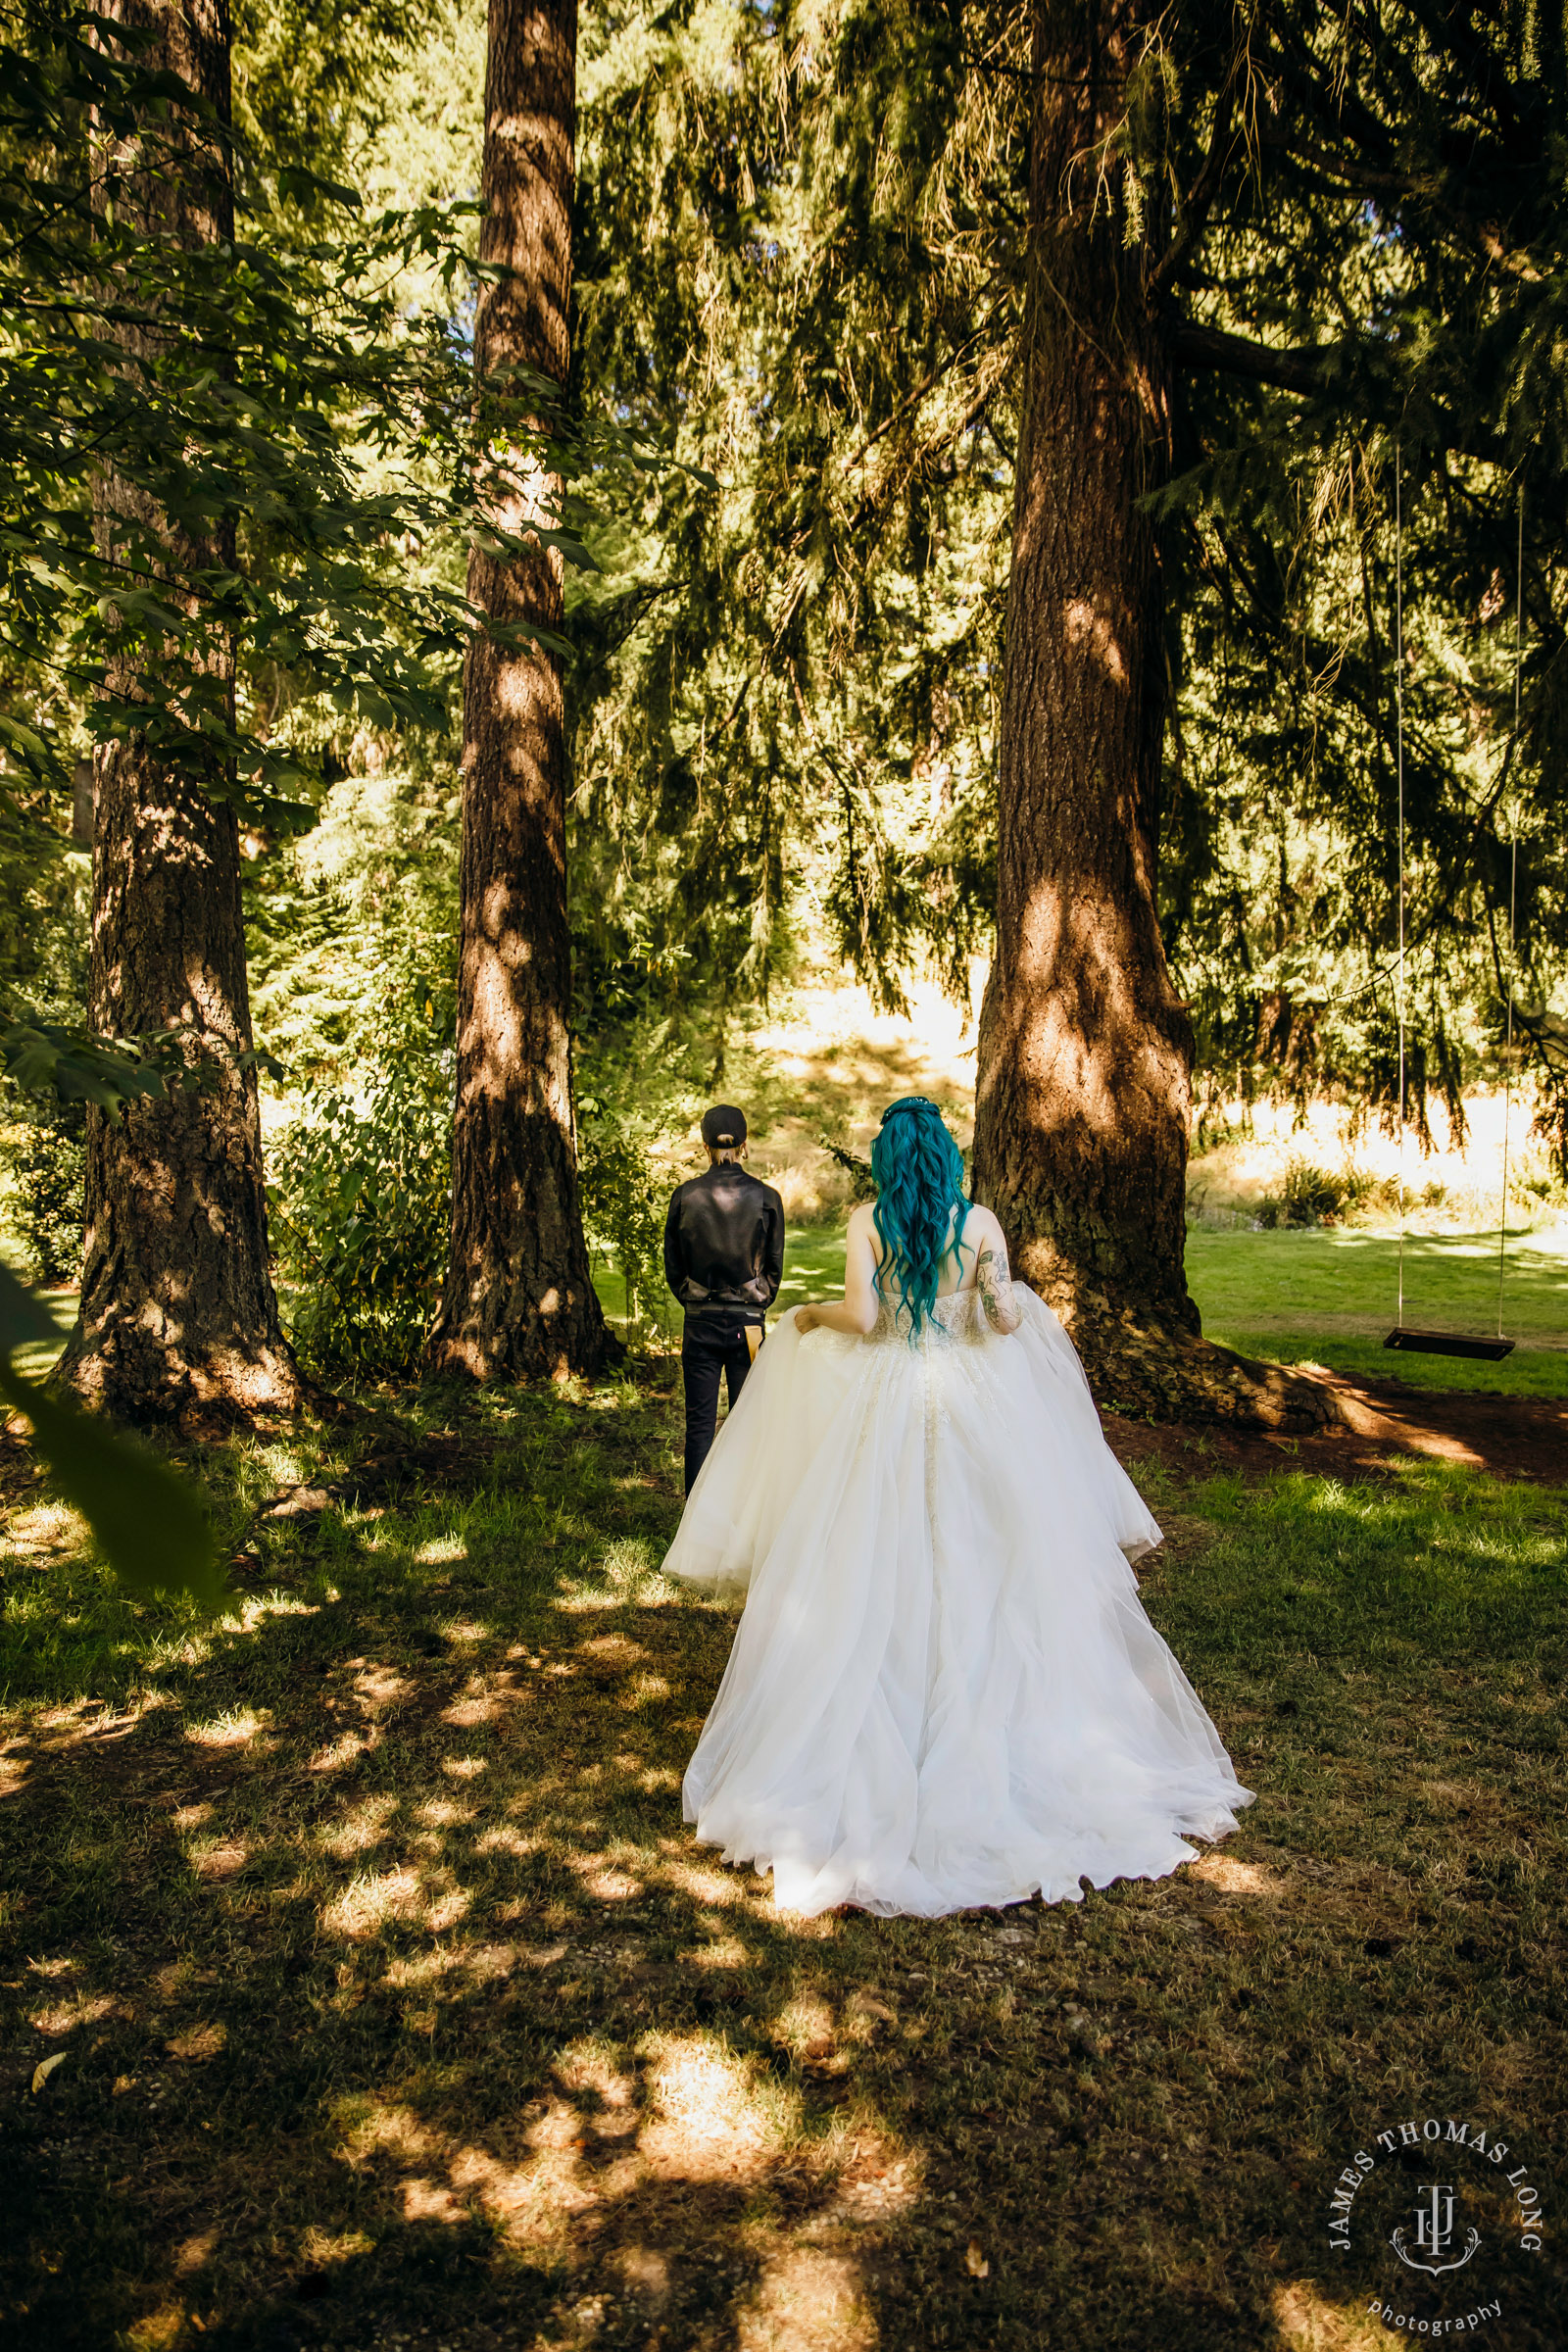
1329	1297
398	2006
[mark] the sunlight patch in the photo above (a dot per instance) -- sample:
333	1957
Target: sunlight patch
1308	2324
605	1880
345	1750
809	2300
198	2044
504	1840
1235	1878
440	1550
364	1824
706	2122
373	1900
379	1685
480	1702
426	2200
714	1887
390	2132
462	1768
163	2327
725	1951
218	1857
241	1727
317	2249
85	2010
45	1527
806	2026
589	2066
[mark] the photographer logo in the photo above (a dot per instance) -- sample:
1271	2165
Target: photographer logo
1433	2214
1433	2233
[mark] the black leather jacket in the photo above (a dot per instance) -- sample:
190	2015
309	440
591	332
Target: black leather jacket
724	1243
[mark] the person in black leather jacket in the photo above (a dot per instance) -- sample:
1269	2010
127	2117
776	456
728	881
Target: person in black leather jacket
724	1260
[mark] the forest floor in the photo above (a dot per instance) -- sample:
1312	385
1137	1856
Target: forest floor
395	2006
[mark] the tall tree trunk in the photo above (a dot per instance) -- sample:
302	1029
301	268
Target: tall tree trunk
177	1307
1086	1051
519	1300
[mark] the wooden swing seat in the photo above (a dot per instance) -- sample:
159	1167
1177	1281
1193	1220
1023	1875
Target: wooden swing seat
1448	1343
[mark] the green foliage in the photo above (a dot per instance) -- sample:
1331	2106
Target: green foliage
46	1161
1313	1196
857	1168
624	1199
802	264
147	1521
353	932
359	1205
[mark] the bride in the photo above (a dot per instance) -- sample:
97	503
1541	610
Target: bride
943	1690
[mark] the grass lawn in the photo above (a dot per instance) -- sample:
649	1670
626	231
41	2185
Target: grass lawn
1328	1296
397	2007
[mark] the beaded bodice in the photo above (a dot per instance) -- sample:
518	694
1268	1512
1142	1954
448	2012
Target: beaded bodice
958	1320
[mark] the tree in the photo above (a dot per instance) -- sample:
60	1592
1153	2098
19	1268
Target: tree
518	1300
210	447
1086	1050
178	1304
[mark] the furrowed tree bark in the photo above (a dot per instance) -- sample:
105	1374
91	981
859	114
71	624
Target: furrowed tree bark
178	1314
1085	1049
518	1300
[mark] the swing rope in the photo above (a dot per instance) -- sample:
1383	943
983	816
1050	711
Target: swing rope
1399	755
1513	893
1452	1343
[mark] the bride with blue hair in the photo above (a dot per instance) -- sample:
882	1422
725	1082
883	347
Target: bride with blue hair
944	1691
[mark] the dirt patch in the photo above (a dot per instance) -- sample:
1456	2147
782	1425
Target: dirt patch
1513	1437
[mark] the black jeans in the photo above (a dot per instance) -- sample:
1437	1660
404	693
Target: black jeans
712	1344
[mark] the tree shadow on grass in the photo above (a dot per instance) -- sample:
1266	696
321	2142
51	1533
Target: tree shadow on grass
398	2003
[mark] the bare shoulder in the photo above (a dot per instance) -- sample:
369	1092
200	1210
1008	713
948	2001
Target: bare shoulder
982	1229
862	1225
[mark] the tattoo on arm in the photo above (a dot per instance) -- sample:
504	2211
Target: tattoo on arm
995	1285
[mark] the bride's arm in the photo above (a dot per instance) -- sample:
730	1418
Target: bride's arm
856	1313
993	1279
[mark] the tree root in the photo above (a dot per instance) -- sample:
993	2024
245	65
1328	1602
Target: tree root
1151	1373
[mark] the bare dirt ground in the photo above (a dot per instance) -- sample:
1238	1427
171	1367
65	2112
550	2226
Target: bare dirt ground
1512	1437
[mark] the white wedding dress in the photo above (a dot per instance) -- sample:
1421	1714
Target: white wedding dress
944	1691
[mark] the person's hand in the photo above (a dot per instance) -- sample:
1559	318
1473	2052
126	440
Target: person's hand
807	1319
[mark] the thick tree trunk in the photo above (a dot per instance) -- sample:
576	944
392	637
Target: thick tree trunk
518	1300
177	1308
1086	1051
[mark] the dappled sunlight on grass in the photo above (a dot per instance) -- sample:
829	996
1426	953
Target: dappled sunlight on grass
399	1998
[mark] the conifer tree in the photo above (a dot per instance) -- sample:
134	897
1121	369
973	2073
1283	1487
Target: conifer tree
519	1300
1142	146
177	1305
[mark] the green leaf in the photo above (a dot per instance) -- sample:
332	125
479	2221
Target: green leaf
22	1318
147	1521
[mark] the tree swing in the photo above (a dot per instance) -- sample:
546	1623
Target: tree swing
1402	1337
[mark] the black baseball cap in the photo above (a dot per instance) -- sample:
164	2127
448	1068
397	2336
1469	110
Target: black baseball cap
724	1127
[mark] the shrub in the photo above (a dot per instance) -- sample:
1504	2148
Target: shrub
1313	1196
624	1200
359	1197
862	1184
47	1160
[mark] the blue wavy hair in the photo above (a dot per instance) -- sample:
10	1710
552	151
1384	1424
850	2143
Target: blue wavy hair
919	1172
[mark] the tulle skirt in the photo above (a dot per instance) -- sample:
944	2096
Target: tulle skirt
944	1691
